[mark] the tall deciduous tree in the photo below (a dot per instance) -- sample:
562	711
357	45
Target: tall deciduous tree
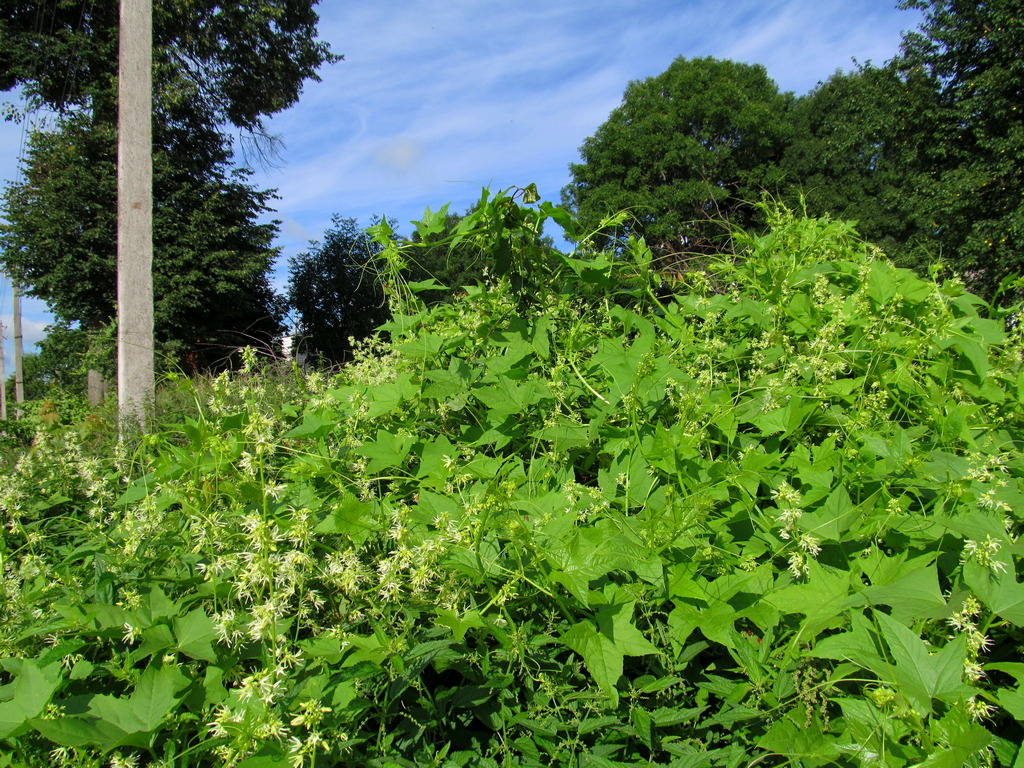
336	291
451	267
685	150
240	61
856	150
58	365
218	67
213	257
971	192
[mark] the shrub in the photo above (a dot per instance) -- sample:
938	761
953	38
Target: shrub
768	519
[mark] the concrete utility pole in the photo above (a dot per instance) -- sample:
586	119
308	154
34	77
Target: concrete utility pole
135	381
19	374
3	377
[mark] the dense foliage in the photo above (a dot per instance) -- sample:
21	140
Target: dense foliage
854	149
925	152
437	260
768	517
335	289
684	152
233	63
212	257
970	189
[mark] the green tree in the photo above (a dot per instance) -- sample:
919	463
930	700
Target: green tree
856	150
971	190
233	63
36	379
212	257
216	68
60	364
336	291
684	152
452	267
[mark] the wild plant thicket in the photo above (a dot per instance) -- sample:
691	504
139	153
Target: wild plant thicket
767	514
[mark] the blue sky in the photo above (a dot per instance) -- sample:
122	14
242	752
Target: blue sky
437	98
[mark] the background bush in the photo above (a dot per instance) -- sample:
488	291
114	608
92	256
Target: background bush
769	516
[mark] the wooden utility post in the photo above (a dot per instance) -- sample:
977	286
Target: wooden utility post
135	381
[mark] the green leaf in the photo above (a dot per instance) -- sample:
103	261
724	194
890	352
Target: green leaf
918	674
349	516
508	397
432	223
314	424
963	741
269	756
821	598
196	632
835	517
153	606
155	695
430	284
565	434
914	595
623	363
387	450
975	354
1001	592
641	721
78	732
615	622
214	691
540	340
881	285
1012	700
153	699
858	645
788	739
602	659
134	493
156	639
946	669
33	688
387	397
327	648
459	624
682	621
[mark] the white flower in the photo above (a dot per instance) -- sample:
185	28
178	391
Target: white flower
983	553
810	545
798	565
131	634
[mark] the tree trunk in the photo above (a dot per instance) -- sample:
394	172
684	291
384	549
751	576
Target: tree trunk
97	387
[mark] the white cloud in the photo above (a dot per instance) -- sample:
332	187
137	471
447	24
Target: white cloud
293	230
400	154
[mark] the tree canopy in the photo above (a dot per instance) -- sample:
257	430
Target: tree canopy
925	153
971	188
855	150
235	63
335	290
58	365
685	150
